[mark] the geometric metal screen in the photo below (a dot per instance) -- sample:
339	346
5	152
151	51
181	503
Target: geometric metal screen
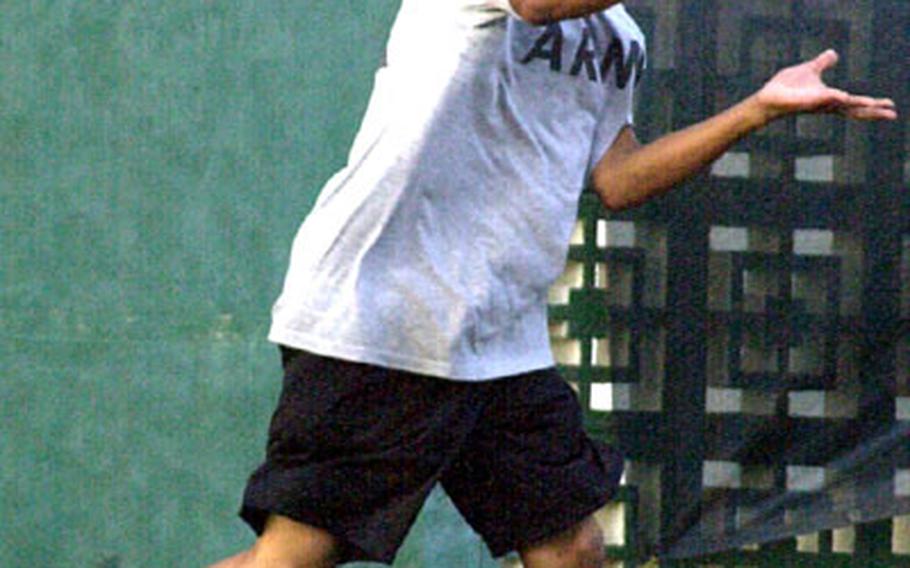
744	340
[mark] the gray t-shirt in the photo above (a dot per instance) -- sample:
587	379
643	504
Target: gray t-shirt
433	250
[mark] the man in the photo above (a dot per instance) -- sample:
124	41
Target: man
413	317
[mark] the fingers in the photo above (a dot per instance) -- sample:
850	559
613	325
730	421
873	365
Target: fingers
839	98
863	107
870	113
854	106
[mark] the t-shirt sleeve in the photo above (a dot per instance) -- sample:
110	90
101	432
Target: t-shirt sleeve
618	113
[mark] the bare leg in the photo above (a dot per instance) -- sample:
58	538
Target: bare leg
287	544
582	546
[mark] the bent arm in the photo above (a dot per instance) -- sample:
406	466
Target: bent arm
539	12
630	174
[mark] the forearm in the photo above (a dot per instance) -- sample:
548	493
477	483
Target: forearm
629	174
545	11
630	178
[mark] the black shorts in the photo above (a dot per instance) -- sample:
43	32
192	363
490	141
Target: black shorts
355	449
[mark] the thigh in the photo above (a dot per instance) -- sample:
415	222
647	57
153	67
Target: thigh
529	471
355	449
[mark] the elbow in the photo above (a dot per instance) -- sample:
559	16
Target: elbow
611	195
534	12
612	202
622	196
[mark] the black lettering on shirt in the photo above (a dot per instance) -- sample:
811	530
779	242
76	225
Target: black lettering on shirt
624	65
549	47
584	57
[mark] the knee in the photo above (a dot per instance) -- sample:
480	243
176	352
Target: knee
580	547
588	547
257	558
266	557
288	544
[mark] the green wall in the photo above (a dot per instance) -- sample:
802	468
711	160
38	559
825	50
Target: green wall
155	161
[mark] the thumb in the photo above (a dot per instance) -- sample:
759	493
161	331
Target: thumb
825	61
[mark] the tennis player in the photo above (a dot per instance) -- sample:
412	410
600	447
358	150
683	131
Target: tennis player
413	320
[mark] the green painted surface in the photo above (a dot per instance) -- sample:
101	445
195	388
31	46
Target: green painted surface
155	161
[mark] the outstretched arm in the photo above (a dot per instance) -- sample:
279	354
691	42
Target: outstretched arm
630	174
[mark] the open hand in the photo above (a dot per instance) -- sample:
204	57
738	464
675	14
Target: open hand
801	89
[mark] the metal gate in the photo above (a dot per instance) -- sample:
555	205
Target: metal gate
756	317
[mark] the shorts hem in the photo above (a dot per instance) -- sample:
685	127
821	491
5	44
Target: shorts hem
256	516
611	462
542	533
